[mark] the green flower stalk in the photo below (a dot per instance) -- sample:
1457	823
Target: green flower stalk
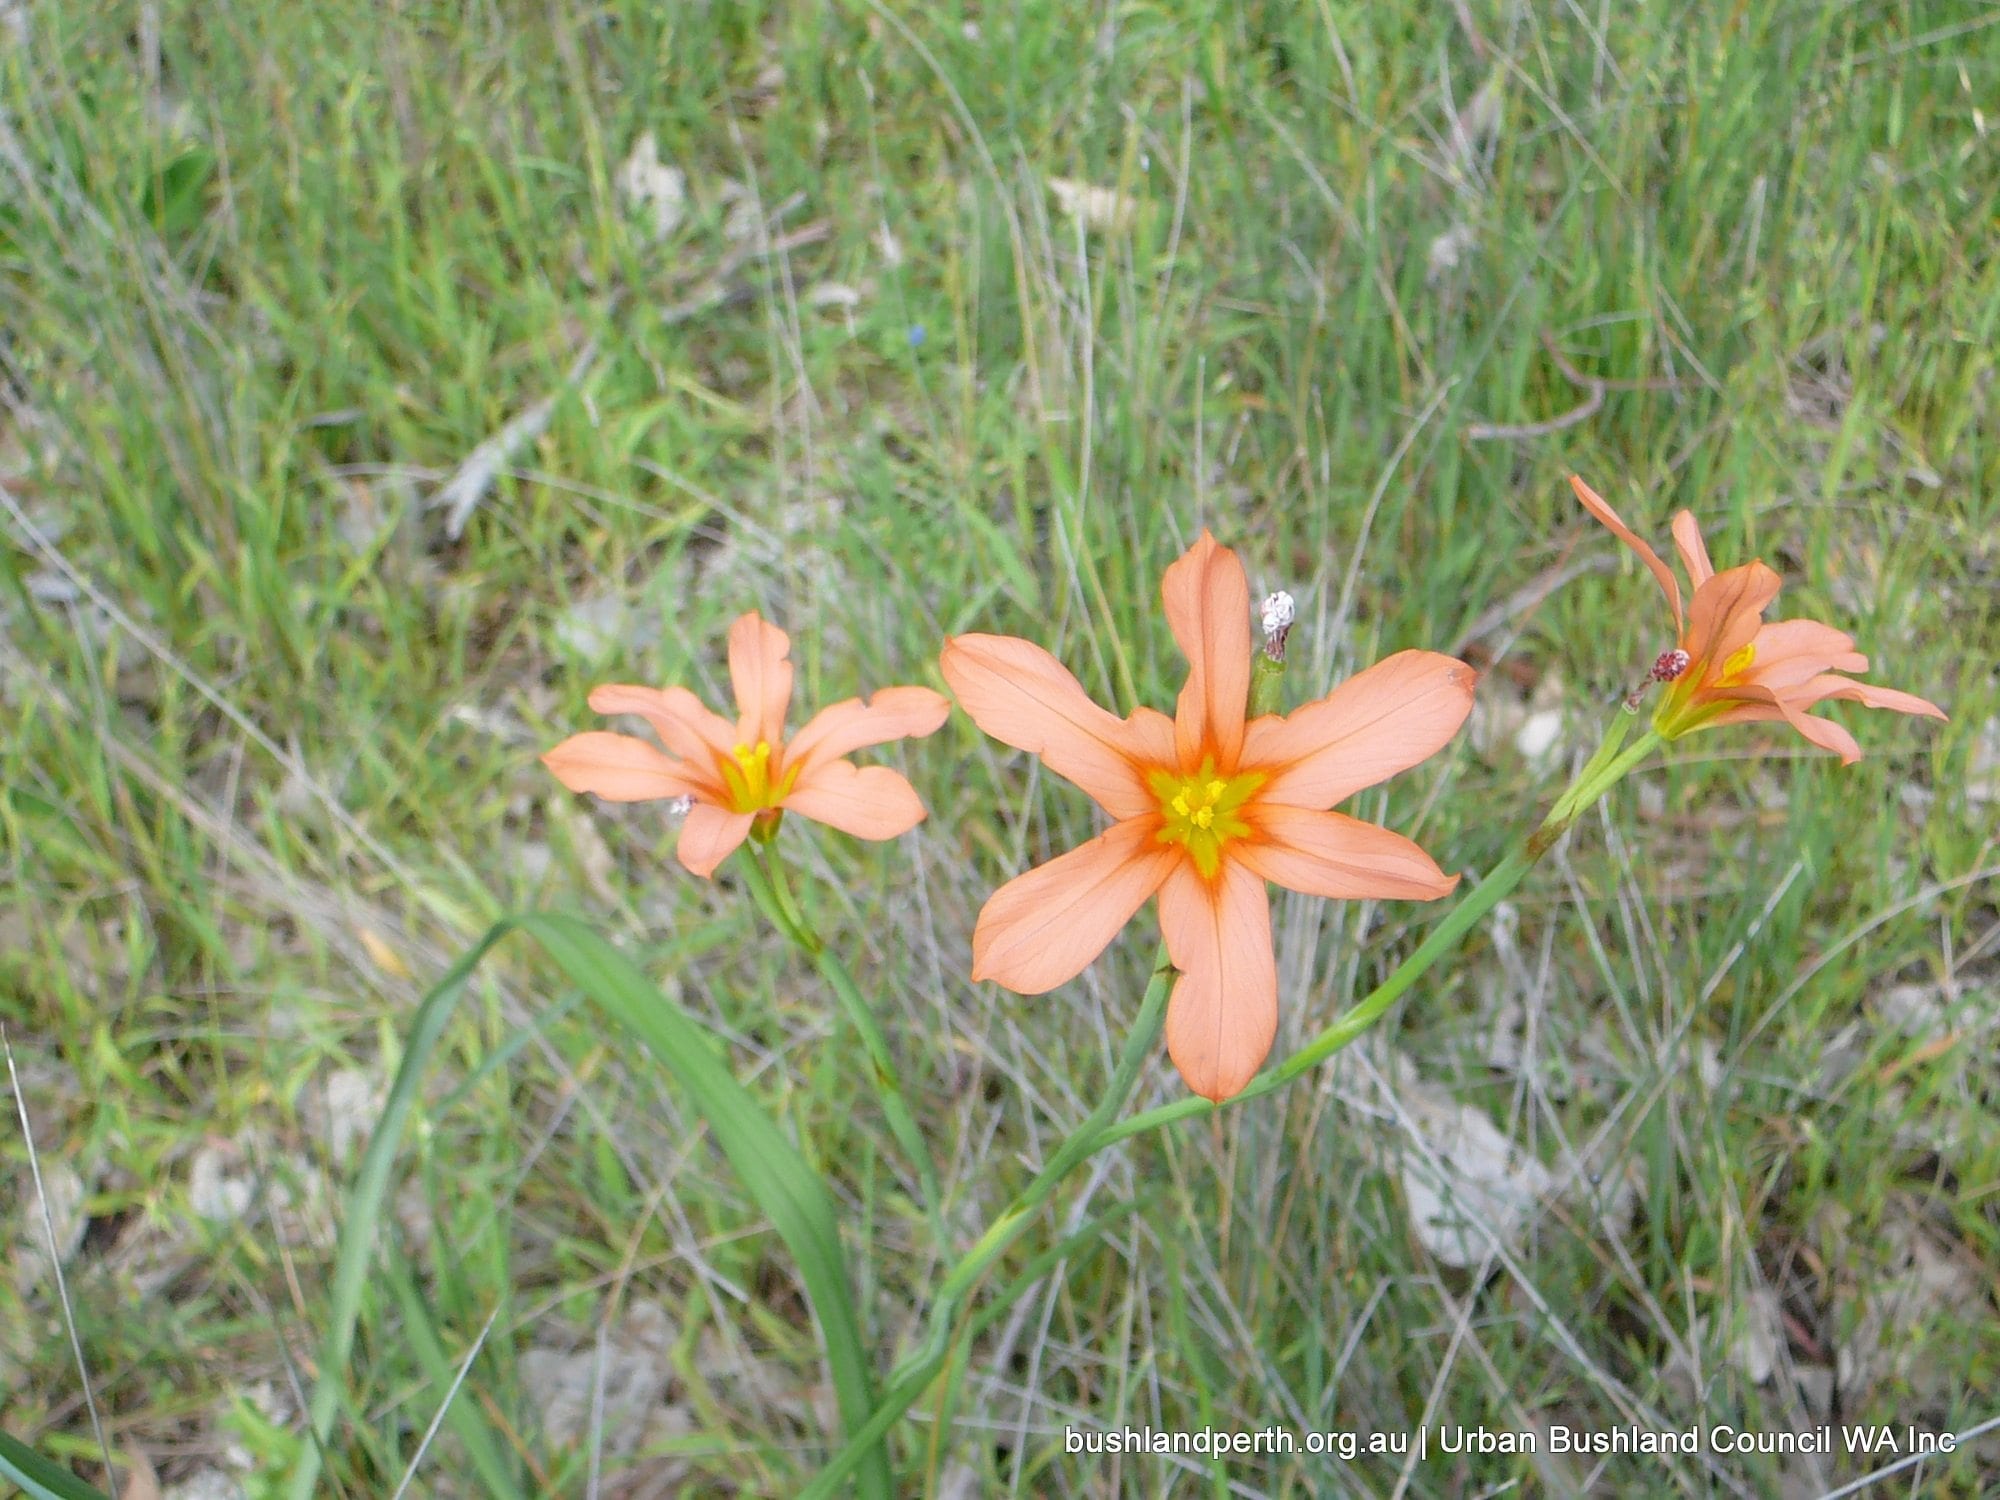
764	874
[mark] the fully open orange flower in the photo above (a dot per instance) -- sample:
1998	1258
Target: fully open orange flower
736	775
1730	665
1205	809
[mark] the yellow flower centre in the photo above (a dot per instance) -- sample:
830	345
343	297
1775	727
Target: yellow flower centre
1201	812
1738	664
747	774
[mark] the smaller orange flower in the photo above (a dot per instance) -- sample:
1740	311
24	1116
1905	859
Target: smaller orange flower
747	773
1730	665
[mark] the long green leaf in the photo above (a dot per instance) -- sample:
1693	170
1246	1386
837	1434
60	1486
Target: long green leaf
788	1191
41	1478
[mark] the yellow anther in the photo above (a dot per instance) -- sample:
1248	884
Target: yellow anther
747	773
1203	812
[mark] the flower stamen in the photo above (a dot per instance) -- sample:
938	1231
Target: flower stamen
747	774
1200	812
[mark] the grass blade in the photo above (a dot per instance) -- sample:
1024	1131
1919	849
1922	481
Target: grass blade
364	1209
41	1478
473	1430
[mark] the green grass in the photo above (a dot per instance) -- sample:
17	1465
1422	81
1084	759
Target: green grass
269	274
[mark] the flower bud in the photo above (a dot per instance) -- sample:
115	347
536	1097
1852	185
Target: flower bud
1279	612
1267	671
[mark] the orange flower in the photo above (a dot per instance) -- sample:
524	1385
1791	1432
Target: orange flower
1205	809
748	773
1731	666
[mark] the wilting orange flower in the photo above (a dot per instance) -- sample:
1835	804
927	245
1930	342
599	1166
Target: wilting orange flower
1731	666
1205	809
747	773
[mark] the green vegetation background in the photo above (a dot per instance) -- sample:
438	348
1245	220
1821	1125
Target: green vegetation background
969	319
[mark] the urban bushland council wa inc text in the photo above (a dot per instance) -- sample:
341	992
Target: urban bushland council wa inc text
1853	1438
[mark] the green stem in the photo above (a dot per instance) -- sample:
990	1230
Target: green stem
1568	805
913	1375
1079	1144
774	897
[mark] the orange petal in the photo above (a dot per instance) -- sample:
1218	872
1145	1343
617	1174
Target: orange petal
1728	611
1669	585
1829	688
1793	703
1330	854
619	768
870	802
1791	651
1397	713
1223	1012
894	713
1747	712
686	726
1693	550
709	836
762	679
1024	697
1208	609
1045	927
1824	733
1764	706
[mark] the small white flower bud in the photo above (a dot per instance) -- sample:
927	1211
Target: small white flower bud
1279	612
